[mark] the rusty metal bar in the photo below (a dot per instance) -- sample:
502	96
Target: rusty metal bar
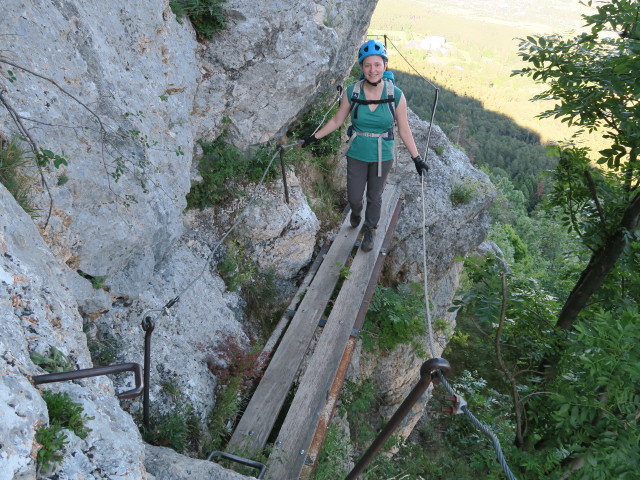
284	174
243	461
426	375
147	326
96	372
327	412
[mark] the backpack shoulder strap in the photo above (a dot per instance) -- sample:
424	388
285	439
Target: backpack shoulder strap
355	95
391	98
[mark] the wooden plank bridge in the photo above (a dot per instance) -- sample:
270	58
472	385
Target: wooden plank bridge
302	432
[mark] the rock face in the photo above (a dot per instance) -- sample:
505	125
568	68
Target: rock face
38	313
166	464
119	93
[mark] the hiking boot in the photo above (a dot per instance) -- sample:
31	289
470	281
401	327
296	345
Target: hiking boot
355	220
367	239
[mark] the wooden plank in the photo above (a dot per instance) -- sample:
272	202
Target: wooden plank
252	432
328	410
289	453
293	305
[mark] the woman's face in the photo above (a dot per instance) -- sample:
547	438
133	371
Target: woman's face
373	67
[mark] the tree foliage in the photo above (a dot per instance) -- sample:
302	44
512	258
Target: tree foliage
592	78
574	362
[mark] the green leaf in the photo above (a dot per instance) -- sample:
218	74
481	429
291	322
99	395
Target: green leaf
59	161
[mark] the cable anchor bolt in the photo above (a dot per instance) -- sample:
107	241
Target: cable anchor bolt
458	404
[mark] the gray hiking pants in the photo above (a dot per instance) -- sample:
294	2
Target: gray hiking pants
365	174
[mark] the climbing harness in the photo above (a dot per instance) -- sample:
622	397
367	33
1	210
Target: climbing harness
356	101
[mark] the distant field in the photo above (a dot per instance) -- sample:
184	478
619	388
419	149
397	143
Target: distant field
480	50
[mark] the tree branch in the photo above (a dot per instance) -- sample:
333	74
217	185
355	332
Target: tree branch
517	405
602	262
594	194
34	148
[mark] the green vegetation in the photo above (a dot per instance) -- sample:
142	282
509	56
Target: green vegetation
67	414
97	281
395	316
237	369
173	430
358	400
207	16
104	350
63	414
259	287
13	165
52	441
224	169
336	450
236	268
462	193
54	362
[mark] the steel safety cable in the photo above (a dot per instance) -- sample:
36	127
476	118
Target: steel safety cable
432	349
175	299
337	100
232	228
483	428
464	409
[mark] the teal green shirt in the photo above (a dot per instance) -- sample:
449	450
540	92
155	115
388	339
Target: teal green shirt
378	121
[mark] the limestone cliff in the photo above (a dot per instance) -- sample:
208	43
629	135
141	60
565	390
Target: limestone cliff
122	91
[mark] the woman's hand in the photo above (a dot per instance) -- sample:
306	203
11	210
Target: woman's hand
420	164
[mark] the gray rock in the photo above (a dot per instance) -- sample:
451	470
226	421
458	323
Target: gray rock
124	90
166	464
38	313
281	235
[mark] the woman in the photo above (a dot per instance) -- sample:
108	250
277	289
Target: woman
373	102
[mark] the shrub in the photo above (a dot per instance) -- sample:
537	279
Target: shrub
170	430
206	16
236	268
395	316
224	168
237	368
462	193
333	459
63	413
67	414
12	165
52	440
358	399
54	362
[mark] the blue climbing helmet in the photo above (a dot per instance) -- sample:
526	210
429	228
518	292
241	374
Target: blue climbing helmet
372	47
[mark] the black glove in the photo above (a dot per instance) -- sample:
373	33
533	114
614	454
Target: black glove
420	165
309	140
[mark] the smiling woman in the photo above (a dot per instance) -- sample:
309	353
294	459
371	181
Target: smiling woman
372	148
